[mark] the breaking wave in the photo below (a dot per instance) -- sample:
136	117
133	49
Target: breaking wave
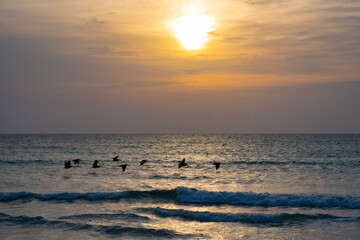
91	196
280	218
27	221
186	195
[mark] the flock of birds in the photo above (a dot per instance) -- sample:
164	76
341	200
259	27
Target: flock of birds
182	163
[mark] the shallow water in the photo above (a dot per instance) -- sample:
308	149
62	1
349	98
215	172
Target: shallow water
268	187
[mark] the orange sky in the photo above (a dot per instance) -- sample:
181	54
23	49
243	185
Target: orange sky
95	53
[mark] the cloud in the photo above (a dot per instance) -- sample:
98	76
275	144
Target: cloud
259	2
28	63
195	71
316	38
108	51
95	22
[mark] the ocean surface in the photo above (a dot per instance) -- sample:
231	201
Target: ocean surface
267	187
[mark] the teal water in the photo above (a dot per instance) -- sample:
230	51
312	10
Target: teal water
268	187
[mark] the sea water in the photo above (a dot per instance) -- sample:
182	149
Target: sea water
267	187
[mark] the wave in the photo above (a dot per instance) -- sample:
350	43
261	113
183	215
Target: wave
38	220
306	163
177	176
141	232
157	176
30	162
108	216
92	196
242	217
186	195
183	195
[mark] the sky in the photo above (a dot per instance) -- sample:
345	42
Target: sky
106	66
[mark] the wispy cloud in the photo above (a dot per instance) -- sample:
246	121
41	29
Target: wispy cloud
259	2
108	51
95	22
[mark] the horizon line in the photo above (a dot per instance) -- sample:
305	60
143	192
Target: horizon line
190	133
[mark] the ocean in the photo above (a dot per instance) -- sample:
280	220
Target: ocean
268	186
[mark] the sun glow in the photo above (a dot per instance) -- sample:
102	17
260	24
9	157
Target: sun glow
192	30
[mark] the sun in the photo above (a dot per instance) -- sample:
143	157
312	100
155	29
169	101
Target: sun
192	30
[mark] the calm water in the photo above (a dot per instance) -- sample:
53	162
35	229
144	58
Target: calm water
268	187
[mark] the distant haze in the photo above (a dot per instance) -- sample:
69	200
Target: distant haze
115	67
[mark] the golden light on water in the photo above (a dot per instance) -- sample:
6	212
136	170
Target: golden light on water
192	30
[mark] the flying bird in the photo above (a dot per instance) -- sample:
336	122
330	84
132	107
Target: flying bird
142	162
67	164
95	164
76	161
124	166
217	165
116	159
182	163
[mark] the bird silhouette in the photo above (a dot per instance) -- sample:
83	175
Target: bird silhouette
67	164
142	162
76	161
124	166
116	159
182	163
217	165
95	164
